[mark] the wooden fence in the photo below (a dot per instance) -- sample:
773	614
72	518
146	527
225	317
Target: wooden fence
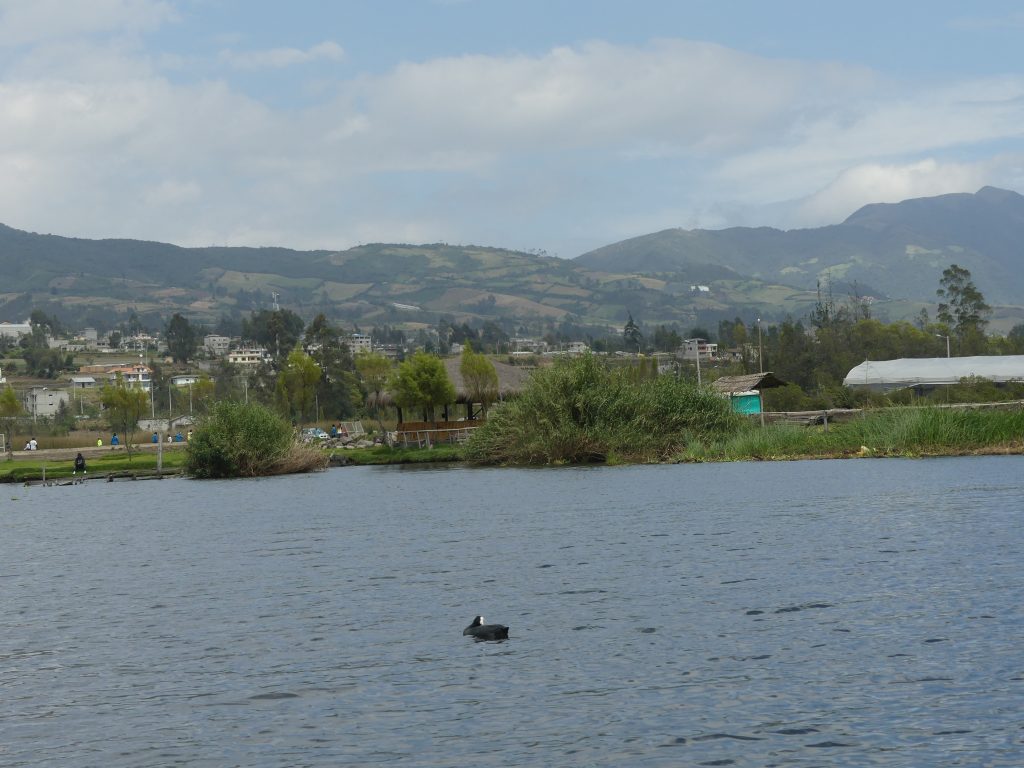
423	434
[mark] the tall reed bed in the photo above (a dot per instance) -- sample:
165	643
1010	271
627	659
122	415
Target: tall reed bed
885	432
579	411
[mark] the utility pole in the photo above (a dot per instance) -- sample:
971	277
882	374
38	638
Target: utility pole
760	348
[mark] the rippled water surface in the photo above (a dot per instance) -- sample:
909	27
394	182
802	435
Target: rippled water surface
840	613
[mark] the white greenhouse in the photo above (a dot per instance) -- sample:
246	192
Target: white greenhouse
929	372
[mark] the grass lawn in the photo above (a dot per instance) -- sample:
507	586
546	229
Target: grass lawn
382	454
21	470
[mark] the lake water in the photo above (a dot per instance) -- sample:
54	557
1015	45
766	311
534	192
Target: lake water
833	613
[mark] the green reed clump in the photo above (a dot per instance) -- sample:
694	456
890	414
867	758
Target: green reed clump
247	440
923	430
579	411
888	431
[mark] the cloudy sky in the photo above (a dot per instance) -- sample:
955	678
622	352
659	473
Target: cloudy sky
559	125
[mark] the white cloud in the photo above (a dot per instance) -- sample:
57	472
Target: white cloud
878	183
26	22
94	141
171	192
279	58
697	96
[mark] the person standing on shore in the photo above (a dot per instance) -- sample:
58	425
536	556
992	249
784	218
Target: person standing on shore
79	465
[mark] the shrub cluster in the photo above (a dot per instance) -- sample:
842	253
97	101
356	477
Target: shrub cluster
247	440
579	411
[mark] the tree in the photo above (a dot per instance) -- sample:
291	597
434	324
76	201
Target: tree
631	334
480	378
10	410
199	396
182	338
1016	339
666	339
44	362
277	330
375	370
124	407
338	389
46	323
295	392
963	308
423	382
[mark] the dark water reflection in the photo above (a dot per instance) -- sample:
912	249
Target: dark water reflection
817	613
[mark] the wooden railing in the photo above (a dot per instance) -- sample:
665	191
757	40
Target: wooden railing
423	434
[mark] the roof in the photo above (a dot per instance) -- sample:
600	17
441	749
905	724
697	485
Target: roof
888	375
733	384
511	380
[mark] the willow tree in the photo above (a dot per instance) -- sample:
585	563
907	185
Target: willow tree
374	369
479	377
10	410
295	391
124	407
422	382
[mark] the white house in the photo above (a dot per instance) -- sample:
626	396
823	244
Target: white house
43	401
132	375
250	356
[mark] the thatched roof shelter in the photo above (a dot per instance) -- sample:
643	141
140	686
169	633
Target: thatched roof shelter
730	385
511	378
511	381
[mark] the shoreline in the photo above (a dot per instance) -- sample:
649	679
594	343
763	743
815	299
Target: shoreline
26	469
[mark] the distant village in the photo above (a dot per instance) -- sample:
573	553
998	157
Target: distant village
130	358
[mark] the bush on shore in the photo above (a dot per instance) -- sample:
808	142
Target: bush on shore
247	440
578	411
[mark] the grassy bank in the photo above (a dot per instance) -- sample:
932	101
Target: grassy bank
886	432
381	454
24	469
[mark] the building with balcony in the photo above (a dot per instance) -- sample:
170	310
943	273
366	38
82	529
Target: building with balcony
359	342
698	348
132	375
248	357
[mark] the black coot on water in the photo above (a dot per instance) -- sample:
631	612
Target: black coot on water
481	631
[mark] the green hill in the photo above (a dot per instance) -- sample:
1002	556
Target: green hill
92	281
885	250
893	253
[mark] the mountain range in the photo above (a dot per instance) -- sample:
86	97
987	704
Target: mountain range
890	254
